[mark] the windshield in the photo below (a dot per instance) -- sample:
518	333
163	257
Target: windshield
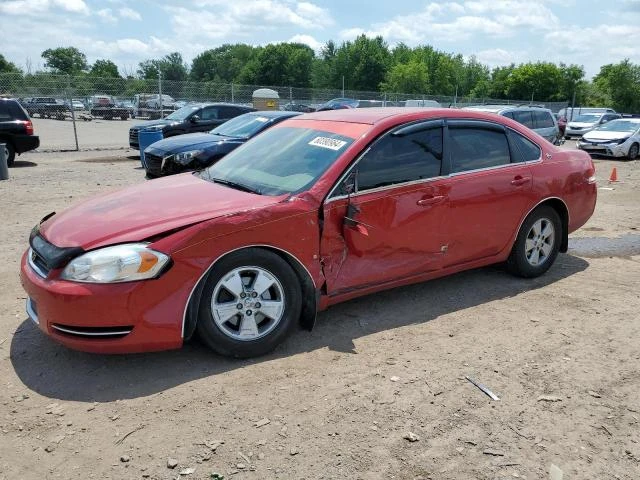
280	160
620	126
588	118
182	113
244	126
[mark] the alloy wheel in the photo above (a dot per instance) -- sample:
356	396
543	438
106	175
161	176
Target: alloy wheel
540	242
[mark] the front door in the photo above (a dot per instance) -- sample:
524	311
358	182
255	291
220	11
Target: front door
389	228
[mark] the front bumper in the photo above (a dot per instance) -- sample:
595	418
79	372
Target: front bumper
605	149
128	317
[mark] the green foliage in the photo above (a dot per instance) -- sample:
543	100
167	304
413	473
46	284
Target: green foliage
65	60
222	64
363	63
172	67
104	69
621	83
7	67
411	77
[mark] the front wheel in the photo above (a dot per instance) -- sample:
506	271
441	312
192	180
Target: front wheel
250	303
633	152
537	244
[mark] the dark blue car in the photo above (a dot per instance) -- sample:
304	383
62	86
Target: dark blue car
195	151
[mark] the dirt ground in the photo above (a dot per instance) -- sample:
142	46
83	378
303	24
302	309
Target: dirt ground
560	351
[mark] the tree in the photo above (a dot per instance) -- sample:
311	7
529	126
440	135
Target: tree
539	81
65	60
222	64
621	82
104	69
172	67
411	77
7	67
363	63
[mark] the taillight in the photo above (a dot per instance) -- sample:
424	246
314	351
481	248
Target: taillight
28	125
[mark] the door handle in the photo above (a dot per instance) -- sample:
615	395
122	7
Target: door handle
425	202
519	181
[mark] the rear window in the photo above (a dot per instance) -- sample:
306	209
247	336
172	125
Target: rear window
525	118
11	110
542	119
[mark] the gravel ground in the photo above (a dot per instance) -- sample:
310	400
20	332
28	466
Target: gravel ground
344	401
56	135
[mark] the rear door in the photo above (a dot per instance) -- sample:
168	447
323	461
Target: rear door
390	227
490	188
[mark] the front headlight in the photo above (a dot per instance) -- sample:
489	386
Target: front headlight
120	263
184	158
619	141
153	128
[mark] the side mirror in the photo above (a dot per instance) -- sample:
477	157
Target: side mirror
195	119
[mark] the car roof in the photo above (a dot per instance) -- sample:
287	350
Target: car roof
274	113
503	108
375	115
214	104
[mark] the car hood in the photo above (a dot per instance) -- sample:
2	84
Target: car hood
148	209
153	123
594	135
190	141
581	124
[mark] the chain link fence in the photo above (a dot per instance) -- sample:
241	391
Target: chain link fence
90	113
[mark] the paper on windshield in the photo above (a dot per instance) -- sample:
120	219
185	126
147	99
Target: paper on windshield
326	142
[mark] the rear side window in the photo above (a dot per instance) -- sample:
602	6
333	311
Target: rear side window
209	113
524	117
5	116
522	149
230	112
542	119
477	148
400	159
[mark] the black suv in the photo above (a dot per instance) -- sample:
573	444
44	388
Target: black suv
16	130
194	117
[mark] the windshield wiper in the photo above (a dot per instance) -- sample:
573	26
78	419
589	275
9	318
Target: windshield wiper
237	186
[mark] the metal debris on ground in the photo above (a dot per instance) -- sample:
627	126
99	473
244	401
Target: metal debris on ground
483	388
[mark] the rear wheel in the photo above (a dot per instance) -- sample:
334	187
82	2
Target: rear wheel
250	303
633	152
537	244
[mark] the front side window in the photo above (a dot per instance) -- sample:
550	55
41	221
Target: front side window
399	159
209	113
474	148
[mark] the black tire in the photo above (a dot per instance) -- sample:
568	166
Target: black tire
223	343
10	152
633	151
519	262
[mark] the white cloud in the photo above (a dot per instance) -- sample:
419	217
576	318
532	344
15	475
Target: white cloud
307	40
130	13
106	14
36	7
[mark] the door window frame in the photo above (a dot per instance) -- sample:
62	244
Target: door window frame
445	170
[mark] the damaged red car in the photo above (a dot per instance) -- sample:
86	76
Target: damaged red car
317	210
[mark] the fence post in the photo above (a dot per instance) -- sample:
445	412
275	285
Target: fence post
4	168
232	94
73	113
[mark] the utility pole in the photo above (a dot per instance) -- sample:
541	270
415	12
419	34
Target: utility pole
342	86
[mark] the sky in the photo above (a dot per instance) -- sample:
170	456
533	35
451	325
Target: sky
591	33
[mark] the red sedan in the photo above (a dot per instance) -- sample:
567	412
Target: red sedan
317	210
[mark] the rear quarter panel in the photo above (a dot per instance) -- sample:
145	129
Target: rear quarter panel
568	175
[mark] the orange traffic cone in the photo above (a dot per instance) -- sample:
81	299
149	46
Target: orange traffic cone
614	175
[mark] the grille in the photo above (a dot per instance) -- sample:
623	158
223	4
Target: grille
38	263
153	164
93	332
133	136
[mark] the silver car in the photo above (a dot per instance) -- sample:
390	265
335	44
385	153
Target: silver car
617	138
586	122
540	120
